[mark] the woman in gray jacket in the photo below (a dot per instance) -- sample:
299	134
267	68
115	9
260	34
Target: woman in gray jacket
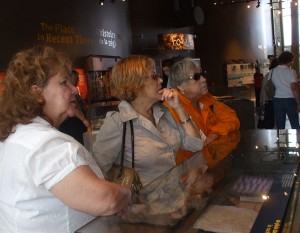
157	136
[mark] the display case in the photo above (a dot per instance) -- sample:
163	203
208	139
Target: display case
100	96
256	190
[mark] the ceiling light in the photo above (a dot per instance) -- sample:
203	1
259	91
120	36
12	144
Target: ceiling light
258	4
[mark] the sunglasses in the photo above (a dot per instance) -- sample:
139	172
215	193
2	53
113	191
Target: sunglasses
155	76
197	76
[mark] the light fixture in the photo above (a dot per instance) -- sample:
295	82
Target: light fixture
258	4
101	2
231	2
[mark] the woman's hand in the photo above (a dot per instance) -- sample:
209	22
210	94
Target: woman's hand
197	182
210	137
171	97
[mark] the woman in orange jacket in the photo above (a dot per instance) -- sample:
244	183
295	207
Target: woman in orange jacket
211	116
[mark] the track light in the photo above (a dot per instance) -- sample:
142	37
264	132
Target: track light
101	2
258	4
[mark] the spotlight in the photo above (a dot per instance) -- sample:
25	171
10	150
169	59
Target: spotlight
101	2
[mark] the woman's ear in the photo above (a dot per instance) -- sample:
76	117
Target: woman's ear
181	89
37	93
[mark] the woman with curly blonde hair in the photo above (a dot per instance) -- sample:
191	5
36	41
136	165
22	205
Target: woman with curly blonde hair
49	182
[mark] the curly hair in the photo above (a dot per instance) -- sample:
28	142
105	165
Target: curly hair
27	68
130	75
285	57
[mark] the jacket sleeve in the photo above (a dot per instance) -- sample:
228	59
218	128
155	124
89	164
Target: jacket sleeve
107	146
222	119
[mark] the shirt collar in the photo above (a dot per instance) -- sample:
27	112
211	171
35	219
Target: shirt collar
41	121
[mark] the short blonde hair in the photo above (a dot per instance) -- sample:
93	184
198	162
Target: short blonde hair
130	75
182	70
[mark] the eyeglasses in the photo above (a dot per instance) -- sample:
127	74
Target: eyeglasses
155	76
197	76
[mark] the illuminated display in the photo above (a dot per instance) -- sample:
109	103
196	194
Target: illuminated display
176	41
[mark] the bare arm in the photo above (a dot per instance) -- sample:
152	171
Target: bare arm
296	93
84	191
210	138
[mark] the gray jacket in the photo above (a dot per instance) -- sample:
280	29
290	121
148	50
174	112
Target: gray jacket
155	147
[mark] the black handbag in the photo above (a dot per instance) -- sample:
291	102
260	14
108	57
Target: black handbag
126	176
270	88
266	119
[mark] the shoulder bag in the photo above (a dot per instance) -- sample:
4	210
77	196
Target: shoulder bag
126	176
270	88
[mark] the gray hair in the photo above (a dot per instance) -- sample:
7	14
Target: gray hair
182	70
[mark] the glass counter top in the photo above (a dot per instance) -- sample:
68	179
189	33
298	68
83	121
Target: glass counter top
256	189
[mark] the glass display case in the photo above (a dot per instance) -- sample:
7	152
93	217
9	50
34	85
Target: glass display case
101	95
255	174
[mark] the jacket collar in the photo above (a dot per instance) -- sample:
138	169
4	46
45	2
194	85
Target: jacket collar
127	112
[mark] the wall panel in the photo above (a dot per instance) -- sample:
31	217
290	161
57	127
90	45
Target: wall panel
79	27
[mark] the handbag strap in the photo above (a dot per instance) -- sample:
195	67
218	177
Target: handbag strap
132	142
271	74
123	145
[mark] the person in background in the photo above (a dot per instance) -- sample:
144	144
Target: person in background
49	182
211	116
166	66
2	85
258	78
77	125
286	100
157	136
266	114
263	96
81	114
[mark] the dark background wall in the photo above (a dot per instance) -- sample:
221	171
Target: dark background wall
227	33
233	32
230	32
26	23
150	18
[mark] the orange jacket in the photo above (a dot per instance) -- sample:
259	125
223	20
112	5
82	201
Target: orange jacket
215	117
220	148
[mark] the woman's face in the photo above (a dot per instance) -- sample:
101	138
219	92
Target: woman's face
150	92
59	97
194	89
